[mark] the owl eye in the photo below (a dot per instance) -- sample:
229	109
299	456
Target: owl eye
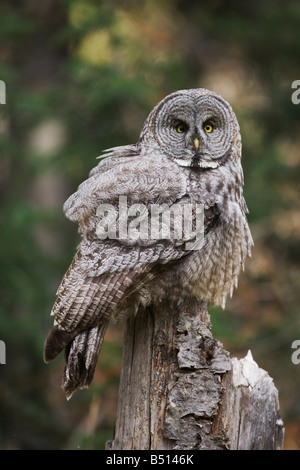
181	127
208	127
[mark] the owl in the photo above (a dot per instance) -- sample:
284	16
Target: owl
188	156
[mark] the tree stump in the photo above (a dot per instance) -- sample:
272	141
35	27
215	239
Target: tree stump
179	389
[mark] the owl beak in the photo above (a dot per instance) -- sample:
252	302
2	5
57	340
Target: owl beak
196	143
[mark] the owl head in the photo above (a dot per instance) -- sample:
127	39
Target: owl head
195	128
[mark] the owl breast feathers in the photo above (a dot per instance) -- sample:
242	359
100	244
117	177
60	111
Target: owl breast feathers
159	219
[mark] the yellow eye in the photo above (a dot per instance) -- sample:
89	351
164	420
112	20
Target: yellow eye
208	128
181	128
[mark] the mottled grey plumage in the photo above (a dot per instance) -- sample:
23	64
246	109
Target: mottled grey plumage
189	152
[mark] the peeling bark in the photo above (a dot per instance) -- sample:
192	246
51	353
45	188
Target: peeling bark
179	388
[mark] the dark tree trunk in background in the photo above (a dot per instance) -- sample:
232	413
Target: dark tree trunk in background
180	390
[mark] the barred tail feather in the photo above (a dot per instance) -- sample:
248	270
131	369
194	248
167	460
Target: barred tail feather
57	339
81	358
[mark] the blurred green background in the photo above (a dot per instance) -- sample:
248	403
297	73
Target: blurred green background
81	76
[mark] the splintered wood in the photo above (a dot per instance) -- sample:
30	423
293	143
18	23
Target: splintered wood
180	390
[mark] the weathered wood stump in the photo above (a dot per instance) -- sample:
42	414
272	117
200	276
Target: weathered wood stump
179	388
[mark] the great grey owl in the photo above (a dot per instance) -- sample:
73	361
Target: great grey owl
188	154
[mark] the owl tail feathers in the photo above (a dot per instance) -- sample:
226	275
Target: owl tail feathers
81	358
56	341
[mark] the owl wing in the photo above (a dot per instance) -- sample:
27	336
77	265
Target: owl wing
106	272
141	178
90	292
85	303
